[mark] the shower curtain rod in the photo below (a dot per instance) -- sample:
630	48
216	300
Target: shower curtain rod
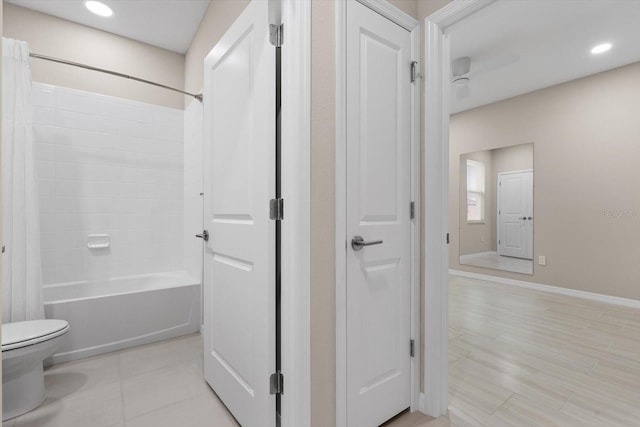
113	73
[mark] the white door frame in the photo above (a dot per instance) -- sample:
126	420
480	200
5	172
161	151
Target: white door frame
436	201
296	226
409	23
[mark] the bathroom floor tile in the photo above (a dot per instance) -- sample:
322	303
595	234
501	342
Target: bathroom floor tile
99	406
153	390
159	384
197	412
68	378
150	357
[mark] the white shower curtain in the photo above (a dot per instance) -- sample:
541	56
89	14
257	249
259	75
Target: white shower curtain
21	270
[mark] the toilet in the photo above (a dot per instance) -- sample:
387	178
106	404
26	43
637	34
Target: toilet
25	345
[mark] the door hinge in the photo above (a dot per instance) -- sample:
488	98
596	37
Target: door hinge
276	209
447	238
415	74
412	210
276	34
276	383
412	348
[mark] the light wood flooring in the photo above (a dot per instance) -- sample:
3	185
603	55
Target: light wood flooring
520	358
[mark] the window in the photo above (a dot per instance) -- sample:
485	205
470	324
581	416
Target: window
475	191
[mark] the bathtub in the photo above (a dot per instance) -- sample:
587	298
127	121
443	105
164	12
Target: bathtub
122	312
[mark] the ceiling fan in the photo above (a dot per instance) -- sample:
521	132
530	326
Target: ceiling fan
460	67
462	74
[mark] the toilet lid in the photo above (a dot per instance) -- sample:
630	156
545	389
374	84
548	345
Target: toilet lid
22	334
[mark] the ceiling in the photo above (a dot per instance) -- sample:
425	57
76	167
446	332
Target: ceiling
519	46
169	24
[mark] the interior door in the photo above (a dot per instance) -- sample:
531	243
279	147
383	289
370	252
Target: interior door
515	214
239	262
378	210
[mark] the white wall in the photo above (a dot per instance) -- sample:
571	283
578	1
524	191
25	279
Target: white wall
193	187
107	165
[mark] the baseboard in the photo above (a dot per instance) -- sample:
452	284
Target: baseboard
421	403
607	299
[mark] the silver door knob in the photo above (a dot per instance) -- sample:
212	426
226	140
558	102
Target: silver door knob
357	243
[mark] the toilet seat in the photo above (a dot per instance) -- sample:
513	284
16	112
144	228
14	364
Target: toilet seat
30	332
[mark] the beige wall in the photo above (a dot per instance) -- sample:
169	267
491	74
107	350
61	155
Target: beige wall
323	348
51	36
216	21
586	156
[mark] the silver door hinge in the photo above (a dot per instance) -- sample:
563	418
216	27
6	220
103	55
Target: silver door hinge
447	238
412	348
276	34
415	74
276	209
276	383
412	210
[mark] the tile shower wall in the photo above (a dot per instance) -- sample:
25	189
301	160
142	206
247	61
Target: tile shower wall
107	166
193	188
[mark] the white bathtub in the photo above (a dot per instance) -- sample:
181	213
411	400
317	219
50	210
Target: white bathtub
122	312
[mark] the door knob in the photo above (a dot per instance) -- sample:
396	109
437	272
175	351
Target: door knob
357	243
204	236
529	218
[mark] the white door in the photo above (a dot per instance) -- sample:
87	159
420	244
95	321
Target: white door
239	262
515	214
378	209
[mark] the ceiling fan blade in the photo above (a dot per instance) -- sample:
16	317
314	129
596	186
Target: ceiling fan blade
494	63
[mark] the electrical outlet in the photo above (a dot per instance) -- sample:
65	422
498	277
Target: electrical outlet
542	260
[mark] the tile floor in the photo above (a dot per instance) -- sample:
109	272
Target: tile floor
157	385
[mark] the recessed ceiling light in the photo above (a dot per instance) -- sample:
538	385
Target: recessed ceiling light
601	48
98	8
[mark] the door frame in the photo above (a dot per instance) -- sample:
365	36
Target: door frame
498	207
296	226
413	26
436	200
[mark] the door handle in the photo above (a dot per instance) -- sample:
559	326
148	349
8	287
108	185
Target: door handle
529	218
524	217
357	243
204	236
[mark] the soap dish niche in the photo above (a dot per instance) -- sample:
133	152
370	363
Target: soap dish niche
99	241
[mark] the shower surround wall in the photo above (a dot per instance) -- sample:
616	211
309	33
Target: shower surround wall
107	166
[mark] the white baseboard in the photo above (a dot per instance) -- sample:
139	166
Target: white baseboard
607	299
421	403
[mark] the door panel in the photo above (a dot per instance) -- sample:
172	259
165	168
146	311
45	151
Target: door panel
515	214
378	201
239	267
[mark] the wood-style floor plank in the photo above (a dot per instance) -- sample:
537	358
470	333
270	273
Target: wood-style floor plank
520	357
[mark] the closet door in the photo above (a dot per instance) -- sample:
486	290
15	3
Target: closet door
239	261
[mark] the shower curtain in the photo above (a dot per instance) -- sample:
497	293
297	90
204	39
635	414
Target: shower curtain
21	270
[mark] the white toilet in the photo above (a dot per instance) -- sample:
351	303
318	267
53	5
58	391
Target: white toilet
25	345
